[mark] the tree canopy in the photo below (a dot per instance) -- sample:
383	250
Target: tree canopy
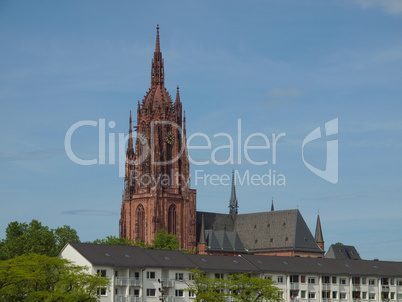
237	287
40	278
23	239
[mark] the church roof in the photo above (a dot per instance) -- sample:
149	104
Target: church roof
224	241
338	251
264	231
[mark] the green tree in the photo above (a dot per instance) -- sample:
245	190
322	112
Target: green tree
206	288
243	287
120	241
23	239
165	241
40	278
237	287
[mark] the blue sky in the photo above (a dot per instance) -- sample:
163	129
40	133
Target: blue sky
278	66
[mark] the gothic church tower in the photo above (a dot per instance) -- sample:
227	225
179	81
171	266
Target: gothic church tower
156	192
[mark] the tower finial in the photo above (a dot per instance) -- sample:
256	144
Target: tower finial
233	206
157	46
272	205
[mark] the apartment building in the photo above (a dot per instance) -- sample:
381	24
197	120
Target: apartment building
156	275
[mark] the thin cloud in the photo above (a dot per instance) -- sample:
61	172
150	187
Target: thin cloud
392	7
89	213
38	154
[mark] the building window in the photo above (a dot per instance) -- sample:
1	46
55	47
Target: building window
140	224
268	277
219	276
303	294
364	280
392	297
356	281
294	279
391	281
150	275
172	220
372	296
303	279
371	281
101	272
311	295
399	296
364	295
399	282
334	295
179	276
342	281
191	276
325	279
102	292
191	294
151	292
179	293
326	294
135	292
311	280
279	279
342	296
334	280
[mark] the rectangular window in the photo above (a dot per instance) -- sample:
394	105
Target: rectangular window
342	296
311	280
279	279
311	295
219	276
364	280
136	292
179	276
399	282
151	292
101	272
372	296
191	276
334	295
303	294
356	281
116	273
294	279
371	281
191	294
150	275
326	279
303	279
326	294
102	291
342	281
334	280
268	277
392	281
179	293
364	295
399	296
392	296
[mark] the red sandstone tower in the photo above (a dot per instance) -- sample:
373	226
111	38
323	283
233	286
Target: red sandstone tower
156	192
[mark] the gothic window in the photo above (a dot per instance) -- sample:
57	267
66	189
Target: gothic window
140	215
172	220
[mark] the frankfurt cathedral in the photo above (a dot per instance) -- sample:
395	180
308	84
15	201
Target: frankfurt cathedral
157	193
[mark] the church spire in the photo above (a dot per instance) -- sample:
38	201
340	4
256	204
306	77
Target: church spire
318	233
130	147
233	200
157	70
272	205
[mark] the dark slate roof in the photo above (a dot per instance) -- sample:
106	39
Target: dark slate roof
224	241
142	258
337	251
115	255
217	263
264	231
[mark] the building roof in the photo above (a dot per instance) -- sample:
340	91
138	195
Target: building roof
264	231
224	241
143	258
338	251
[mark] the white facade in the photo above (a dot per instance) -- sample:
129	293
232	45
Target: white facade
135	284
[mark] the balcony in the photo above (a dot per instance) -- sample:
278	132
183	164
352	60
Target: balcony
385	288
119	281
167	282
121	298
294	286
134	282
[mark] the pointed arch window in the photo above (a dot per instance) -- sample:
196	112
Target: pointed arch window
172	220
140	217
